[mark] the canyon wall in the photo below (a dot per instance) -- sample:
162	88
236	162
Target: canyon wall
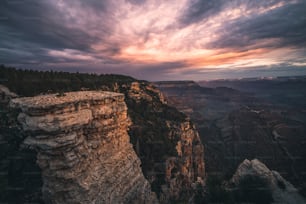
83	148
166	141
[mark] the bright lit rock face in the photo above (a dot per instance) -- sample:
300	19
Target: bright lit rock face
83	148
167	143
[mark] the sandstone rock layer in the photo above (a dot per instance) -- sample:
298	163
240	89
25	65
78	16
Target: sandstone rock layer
167	143
83	148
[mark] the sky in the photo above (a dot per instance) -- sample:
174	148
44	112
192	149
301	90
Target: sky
156	39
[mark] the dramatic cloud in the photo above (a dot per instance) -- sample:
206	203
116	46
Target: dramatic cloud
282	27
155	39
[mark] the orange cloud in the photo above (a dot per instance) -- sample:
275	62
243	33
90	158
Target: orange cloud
225	58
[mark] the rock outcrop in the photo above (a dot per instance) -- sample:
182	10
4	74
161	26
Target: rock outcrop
282	191
166	141
83	148
187	167
6	95
234	125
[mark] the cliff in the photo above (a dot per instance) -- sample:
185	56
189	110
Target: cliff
83	148
235	125
166	141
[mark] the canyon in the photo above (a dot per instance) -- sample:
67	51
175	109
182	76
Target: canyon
146	143
121	140
247	119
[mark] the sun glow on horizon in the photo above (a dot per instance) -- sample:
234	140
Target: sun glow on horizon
132	36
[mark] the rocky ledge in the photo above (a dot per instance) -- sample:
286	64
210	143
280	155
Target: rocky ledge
83	148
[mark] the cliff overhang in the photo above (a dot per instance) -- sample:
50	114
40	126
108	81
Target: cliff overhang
83	148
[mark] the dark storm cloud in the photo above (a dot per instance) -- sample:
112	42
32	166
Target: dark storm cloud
99	5
286	25
38	22
198	10
149	39
138	2
29	28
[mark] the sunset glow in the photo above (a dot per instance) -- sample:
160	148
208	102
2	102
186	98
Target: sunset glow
153	39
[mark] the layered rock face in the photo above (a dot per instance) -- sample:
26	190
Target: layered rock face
166	141
83	148
188	166
235	125
282	191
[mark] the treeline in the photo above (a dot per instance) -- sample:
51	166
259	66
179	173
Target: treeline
31	82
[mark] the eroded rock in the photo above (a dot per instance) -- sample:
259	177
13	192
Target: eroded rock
83	148
281	190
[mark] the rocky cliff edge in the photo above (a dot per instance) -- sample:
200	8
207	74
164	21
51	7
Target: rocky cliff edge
83	148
